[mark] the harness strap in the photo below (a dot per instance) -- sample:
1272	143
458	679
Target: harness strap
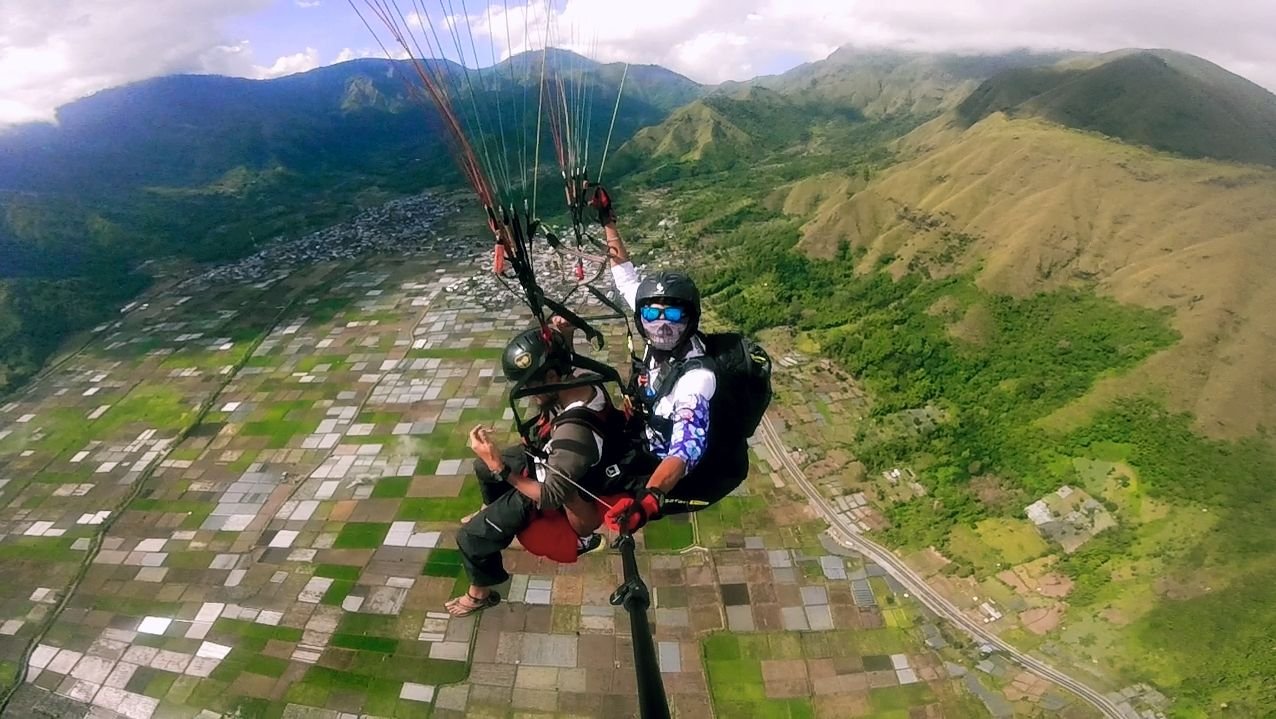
669	378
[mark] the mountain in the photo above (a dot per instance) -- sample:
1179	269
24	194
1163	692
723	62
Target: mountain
1161	99
1030	202
356	116
1106	172
723	129
206	167
190	129
656	86
813	104
887	82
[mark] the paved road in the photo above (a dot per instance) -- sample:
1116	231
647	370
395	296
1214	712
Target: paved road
918	586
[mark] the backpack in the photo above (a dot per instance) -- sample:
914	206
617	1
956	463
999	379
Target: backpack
742	371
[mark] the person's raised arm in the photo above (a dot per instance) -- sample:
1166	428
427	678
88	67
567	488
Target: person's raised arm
616	250
601	202
623	273
486	450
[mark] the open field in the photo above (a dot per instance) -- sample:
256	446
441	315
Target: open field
243	499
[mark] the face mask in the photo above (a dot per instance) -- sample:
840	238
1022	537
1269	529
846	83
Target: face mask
664	335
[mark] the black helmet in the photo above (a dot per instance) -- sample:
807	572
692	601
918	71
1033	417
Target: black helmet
528	356
674	288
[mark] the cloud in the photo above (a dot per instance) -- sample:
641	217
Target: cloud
53	53
239	60
289	64
716	40
348	53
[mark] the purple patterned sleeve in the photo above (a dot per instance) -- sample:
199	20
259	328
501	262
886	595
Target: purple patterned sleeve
690	436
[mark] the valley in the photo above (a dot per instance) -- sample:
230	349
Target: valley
242	497
1019	305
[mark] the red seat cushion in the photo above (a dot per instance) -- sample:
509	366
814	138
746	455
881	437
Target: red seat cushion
550	535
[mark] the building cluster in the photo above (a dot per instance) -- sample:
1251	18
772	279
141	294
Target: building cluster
1070	517
406	225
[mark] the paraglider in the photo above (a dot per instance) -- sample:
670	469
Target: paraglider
679	428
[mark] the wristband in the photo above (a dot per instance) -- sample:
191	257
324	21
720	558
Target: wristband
660	498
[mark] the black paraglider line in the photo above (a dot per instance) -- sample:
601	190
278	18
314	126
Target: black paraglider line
589	107
496	85
492	170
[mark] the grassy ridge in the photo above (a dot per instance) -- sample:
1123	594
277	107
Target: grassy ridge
1027	206
1168	101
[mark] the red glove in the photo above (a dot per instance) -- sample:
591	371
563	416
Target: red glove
601	201
630	515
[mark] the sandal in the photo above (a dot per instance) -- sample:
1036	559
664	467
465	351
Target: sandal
475	604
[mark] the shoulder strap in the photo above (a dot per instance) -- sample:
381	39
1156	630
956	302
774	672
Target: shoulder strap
581	415
678	368
670	378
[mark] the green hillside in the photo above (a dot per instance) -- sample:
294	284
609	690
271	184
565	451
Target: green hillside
1029	206
1031	305
727	129
886	82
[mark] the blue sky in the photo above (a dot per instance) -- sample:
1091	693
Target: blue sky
285	27
54	51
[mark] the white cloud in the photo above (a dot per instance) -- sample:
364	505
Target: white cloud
55	52
352	54
290	64
52	52
715	40
239	60
348	54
